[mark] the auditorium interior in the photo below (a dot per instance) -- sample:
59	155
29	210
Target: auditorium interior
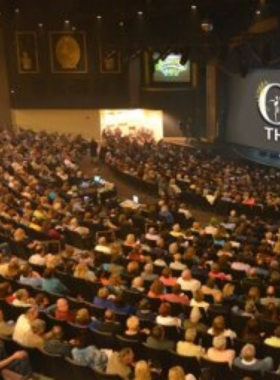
140	189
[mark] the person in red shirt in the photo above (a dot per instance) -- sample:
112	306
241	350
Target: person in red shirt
176	295
166	277
217	273
61	310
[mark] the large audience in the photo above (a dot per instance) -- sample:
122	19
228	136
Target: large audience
210	174
145	292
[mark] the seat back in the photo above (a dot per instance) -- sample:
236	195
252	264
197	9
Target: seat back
77	371
240	373
189	364
271	376
103	340
134	344
157	357
273	352
97	375
218	371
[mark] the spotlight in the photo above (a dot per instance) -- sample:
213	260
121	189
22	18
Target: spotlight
207	26
40	25
99	17
66	22
140	13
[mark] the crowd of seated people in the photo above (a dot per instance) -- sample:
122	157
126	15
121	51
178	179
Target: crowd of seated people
209	175
143	281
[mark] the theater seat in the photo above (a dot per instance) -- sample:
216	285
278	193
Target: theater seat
217	371
189	364
134	344
103	339
271	376
239	373
157	357
102	376
76	371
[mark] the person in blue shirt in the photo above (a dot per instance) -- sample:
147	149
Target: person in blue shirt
29	277
51	284
101	300
89	355
121	307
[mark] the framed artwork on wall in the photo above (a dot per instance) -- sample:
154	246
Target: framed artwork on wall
109	61
68	52
27	52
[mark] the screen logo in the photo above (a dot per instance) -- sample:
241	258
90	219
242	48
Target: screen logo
269	103
269	108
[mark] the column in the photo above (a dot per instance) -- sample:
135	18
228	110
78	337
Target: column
211	102
5	105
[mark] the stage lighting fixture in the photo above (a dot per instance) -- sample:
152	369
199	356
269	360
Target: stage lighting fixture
207	26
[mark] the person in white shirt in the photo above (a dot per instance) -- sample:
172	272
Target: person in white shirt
184	210
38	258
212	227
164	318
177	264
218	328
103	246
152	234
187	282
198	300
74	226
23	326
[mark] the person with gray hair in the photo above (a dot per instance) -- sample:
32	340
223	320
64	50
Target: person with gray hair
148	273
248	361
187	282
34	338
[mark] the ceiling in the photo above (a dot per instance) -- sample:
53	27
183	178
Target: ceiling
163	23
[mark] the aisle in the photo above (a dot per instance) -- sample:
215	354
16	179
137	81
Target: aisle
126	190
